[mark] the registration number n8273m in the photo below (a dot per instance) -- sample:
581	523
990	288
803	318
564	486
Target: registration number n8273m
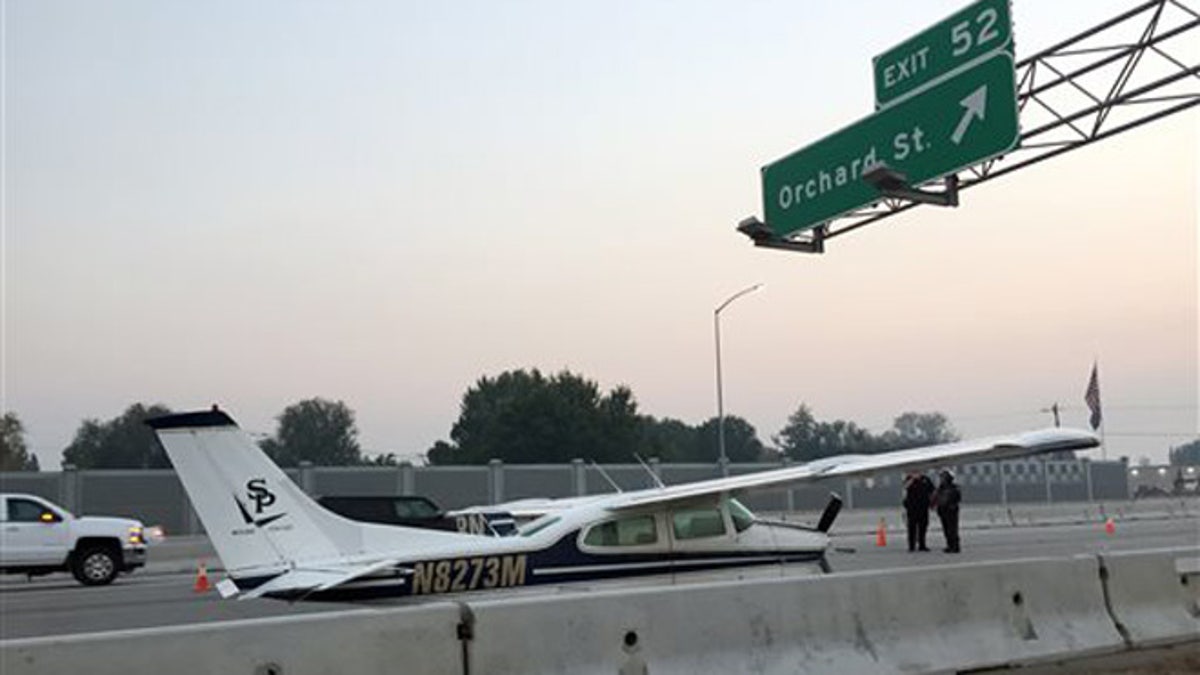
469	574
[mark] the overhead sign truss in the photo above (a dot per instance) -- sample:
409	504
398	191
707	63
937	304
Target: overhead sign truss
1131	70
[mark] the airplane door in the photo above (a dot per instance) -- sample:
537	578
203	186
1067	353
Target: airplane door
695	532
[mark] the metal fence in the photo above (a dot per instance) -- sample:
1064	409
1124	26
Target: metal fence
157	498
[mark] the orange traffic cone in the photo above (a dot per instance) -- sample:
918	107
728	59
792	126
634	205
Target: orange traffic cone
881	534
1110	528
201	585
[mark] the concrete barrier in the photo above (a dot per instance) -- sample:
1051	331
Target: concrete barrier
415	641
1155	595
929	620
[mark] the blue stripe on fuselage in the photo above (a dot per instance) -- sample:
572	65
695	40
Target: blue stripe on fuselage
562	562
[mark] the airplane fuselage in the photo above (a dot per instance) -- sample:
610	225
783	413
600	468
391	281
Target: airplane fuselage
276	541
763	549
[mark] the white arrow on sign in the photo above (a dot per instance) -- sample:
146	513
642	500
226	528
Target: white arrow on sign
975	103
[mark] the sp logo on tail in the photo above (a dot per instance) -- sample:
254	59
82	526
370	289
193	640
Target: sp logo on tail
256	489
258	494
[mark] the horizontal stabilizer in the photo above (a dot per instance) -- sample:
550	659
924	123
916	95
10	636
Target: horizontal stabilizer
312	580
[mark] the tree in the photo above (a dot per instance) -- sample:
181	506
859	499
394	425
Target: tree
914	430
797	438
441	453
804	439
842	437
1186	454
741	441
382	459
315	430
668	439
525	417
14	455
123	442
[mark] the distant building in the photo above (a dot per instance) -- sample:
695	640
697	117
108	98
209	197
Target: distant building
1160	480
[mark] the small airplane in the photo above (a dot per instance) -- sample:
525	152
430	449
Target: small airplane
276	541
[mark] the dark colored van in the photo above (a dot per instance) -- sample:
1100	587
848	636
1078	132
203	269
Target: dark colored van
414	511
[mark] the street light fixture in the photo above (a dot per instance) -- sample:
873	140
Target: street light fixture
722	458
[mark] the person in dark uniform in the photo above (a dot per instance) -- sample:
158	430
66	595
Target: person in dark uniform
947	498
917	492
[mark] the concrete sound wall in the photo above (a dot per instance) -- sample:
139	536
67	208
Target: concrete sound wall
156	497
933	620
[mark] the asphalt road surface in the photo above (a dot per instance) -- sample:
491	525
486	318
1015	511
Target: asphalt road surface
163	595
855	552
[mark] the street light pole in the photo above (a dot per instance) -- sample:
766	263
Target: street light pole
722	458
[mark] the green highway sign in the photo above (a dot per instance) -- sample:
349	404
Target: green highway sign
967	36
954	124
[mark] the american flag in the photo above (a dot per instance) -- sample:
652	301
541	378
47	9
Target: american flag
1092	396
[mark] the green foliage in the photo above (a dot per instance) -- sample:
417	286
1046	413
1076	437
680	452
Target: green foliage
668	439
14	455
1187	454
741	441
383	459
524	417
315	430
123	442
441	453
914	430
797	438
804	438
671	440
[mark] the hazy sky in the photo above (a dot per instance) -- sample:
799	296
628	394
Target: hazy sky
381	202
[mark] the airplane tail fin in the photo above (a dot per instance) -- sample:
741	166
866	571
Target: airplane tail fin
256	517
259	521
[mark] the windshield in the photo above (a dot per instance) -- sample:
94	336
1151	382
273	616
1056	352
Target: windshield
537	525
742	517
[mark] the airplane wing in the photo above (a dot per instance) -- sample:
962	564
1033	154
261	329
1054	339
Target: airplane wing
526	509
964	452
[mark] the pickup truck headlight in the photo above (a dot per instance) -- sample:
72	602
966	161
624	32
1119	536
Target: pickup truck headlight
136	536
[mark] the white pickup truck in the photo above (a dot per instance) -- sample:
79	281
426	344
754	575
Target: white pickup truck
39	537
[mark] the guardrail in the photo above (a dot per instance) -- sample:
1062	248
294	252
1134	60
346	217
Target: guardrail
944	619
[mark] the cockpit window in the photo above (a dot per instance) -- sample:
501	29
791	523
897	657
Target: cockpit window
741	516
538	525
633	531
697	523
